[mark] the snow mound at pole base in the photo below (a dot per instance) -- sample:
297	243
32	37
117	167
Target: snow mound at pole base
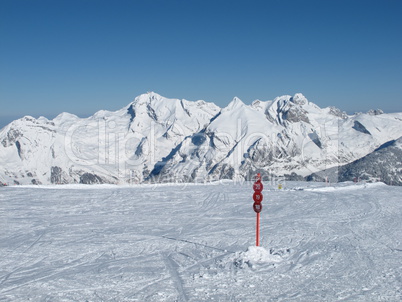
254	256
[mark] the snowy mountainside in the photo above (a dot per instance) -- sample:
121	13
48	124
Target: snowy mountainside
384	164
97	149
156	139
287	136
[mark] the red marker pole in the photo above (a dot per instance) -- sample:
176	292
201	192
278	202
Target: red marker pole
257	235
257	197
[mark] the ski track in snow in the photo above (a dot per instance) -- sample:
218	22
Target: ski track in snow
341	242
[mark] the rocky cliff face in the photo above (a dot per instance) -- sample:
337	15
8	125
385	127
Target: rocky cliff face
155	139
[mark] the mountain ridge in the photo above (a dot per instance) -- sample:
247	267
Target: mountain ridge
157	139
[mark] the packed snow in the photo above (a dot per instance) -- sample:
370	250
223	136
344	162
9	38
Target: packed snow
319	242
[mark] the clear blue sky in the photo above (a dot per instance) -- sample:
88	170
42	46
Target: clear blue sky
81	56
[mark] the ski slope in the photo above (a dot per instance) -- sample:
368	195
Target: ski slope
340	242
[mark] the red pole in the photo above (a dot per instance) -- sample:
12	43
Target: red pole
257	197
257	237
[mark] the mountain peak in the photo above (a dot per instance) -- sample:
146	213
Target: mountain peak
299	99
236	103
147	97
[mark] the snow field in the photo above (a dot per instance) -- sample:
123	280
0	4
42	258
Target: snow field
195	243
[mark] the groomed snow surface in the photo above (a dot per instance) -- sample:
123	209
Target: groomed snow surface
197	243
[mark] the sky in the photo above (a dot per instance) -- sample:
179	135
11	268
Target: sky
88	55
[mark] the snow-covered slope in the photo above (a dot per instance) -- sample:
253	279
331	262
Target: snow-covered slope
196	243
112	147
156	139
287	136
384	164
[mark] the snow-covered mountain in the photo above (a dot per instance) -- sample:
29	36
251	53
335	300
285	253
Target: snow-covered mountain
156	139
384	164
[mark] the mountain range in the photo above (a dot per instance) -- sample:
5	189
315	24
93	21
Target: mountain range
158	139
